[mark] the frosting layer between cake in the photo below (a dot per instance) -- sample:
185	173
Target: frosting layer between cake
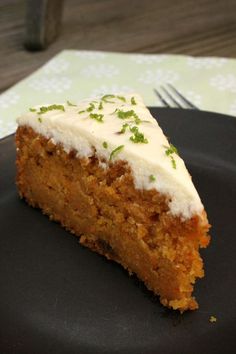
120	127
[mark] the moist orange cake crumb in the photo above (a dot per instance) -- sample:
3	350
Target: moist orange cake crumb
111	216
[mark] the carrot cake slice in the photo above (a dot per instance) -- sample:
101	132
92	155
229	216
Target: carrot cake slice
104	169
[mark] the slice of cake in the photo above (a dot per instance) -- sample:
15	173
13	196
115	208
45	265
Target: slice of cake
104	169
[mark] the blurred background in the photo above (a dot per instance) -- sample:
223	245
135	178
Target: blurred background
202	28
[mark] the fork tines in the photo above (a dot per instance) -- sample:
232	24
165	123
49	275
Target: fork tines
171	97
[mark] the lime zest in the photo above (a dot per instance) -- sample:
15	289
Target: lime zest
71	104
116	151
137	137
170	150
121	98
152	178
91	107
106	98
45	109
133	102
124	127
97	117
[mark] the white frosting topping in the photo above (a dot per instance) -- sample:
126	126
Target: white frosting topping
78	127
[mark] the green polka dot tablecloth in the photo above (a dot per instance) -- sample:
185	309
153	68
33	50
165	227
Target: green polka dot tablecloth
210	83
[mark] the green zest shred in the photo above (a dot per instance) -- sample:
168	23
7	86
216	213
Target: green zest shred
80	112
106	98
116	151
125	115
45	109
124	127
91	107
40	119
173	162
105	145
97	117
32	109
133	102
137	119
152	178
100	106
121	98
137	136
170	150
128	114
70	104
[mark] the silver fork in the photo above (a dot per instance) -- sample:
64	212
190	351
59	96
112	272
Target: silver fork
171	97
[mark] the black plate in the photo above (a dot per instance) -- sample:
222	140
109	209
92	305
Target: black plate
58	297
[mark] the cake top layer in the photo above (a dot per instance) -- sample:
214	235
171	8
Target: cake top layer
120	127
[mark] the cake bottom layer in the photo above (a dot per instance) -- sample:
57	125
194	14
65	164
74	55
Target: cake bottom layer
102	207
